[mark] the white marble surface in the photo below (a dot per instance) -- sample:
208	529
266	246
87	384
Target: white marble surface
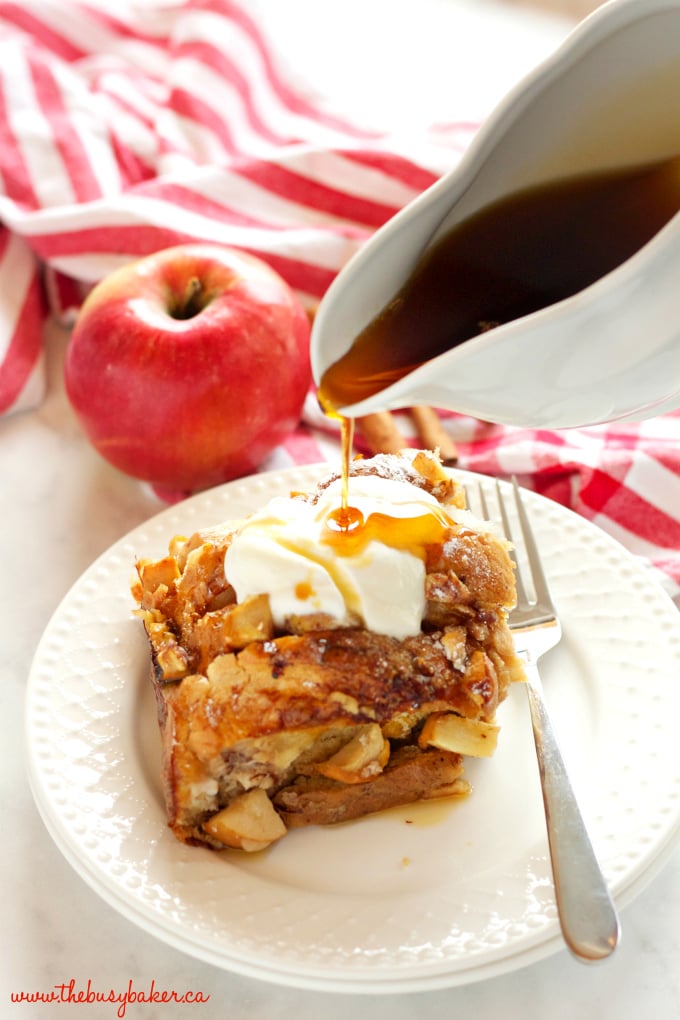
61	506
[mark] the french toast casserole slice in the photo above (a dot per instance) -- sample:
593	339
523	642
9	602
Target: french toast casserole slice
267	727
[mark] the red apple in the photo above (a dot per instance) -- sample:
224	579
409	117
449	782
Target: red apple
187	367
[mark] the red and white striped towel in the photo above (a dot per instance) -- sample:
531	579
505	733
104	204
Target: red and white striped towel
129	128
122	133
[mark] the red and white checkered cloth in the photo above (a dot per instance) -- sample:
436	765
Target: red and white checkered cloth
131	127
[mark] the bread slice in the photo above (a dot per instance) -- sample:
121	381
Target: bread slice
267	728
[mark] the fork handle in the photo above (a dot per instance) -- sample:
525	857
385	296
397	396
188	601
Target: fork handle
587	914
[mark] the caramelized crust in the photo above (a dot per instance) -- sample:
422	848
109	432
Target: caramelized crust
242	707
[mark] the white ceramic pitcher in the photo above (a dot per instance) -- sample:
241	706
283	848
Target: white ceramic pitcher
609	352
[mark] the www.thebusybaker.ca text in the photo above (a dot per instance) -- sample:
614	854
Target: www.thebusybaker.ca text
69	993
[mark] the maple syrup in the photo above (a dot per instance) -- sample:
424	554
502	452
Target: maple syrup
515	256
346	519
411	534
349	532
346	442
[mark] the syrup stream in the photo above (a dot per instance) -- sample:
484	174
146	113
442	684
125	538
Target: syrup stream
347	439
346	518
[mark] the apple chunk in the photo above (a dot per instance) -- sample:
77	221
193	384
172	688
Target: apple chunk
249	823
361	759
450	732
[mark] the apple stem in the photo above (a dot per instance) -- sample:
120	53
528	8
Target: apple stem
193	301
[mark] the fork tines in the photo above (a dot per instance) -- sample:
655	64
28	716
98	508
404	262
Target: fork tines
533	593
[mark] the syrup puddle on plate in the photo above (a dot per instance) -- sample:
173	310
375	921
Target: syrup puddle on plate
423	814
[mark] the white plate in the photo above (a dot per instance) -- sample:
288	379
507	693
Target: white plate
414	899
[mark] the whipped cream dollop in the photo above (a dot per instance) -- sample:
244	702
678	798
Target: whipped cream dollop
290	550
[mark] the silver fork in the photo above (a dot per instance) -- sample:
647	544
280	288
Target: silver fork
588	918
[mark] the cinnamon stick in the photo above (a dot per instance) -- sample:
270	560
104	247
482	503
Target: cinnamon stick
433	435
381	433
